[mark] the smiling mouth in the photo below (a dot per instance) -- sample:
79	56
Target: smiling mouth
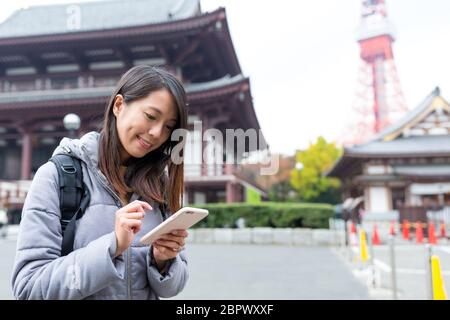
144	143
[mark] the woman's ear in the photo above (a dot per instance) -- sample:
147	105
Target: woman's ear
118	104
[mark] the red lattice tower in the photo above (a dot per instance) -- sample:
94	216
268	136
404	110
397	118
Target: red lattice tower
379	99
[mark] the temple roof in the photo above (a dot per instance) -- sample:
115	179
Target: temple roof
174	32
414	134
423	132
98	15
20	103
422	170
78	93
224	81
418	172
414	145
411	147
397	128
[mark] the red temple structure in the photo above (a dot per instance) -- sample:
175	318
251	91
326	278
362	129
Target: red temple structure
60	59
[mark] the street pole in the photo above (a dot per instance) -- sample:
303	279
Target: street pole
371	257
428	275
393	271
346	232
347	243
72	123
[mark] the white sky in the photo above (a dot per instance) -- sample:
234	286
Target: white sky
302	59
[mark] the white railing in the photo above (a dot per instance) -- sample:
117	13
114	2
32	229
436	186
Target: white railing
438	216
210	170
14	192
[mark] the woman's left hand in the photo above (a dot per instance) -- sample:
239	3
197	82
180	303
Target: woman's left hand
168	246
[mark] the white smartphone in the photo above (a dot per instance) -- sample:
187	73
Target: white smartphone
182	219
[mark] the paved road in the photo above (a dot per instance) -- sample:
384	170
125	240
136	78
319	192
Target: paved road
286	272
269	272
249	272
7	249
410	262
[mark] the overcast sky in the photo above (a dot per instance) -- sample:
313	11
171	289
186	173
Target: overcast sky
302	59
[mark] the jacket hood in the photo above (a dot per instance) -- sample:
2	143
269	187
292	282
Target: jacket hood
85	148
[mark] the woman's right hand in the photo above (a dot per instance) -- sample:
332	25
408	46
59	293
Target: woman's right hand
128	223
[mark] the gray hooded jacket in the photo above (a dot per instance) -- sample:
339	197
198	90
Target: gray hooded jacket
90	271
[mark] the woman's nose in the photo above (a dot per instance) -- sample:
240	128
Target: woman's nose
155	131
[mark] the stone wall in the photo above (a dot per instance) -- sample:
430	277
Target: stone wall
276	236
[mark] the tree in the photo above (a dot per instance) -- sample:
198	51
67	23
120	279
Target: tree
282	192
309	179
278	185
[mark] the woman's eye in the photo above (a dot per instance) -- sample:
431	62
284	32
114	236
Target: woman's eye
169	128
149	116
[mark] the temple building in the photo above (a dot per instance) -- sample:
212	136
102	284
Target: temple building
61	59
406	165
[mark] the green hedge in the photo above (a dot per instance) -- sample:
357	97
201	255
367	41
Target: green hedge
267	214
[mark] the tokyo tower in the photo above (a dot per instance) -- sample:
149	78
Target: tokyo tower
379	100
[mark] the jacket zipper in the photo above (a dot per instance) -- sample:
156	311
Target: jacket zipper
127	252
130	297
115	196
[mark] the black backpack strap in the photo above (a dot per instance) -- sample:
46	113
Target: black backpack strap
73	197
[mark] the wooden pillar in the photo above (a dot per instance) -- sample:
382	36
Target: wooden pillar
189	195
228	169
240	193
204	165
84	128
26	156
87	126
230	190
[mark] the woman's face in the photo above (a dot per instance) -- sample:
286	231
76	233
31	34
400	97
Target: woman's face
145	124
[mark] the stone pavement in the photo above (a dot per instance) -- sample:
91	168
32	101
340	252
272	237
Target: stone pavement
248	271
268	272
410	262
8	250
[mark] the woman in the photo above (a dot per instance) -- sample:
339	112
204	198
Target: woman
128	171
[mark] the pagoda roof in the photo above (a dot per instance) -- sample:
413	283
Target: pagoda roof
423	132
410	146
206	89
23	104
191	41
94	16
435	170
423	172
224	81
398	128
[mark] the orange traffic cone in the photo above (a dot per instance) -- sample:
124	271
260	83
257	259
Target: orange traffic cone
353	227
405	229
392	229
353	236
375	237
419	232
442	231
431	233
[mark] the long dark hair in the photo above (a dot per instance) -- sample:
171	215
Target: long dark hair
145	176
